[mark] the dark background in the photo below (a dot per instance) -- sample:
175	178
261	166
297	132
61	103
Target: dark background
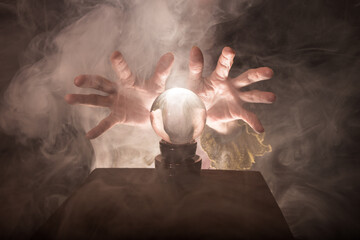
314	127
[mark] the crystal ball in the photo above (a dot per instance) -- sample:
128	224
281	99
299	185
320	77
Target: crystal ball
178	116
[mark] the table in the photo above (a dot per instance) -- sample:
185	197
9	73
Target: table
136	203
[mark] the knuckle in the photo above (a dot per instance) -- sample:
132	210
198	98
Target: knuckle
196	68
225	63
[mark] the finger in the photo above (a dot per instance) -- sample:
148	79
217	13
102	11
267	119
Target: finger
256	96
91	99
224	64
252	75
251	119
162	71
196	64
122	69
103	125
95	82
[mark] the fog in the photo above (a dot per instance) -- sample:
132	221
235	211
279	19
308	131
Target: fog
313	48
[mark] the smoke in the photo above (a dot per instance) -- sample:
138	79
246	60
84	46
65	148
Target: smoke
141	31
311	47
70	38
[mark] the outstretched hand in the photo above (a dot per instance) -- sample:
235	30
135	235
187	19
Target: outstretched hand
222	96
129	103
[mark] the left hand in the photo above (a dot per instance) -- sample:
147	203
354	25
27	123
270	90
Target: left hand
128	102
222	96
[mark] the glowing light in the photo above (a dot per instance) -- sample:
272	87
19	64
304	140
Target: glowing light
178	116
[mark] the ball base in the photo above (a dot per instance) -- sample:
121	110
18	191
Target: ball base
177	160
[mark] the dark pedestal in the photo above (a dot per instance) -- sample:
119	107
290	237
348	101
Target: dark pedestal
136	204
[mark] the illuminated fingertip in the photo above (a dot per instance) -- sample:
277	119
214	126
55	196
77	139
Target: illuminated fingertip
272	98
68	98
194	49
264	72
260	129
78	81
115	55
268	72
168	58
90	135
228	52
196	56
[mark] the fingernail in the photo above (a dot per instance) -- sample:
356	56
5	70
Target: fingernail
261	130
88	136
228	51
273	98
115	55
78	81
168	58
269	72
270	97
68	98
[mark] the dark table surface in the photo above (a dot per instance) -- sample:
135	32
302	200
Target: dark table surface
137	204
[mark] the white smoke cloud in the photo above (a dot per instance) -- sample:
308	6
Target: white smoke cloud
77	37
142	31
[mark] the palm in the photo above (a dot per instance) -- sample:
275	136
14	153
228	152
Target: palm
129	103
136	111
222	96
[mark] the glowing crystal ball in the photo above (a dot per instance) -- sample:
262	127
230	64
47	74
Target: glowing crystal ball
178	116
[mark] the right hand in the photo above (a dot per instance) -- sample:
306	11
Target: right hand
222	96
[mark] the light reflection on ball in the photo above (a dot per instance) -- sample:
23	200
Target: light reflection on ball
178	116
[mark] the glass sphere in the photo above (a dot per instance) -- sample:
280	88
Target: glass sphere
178	116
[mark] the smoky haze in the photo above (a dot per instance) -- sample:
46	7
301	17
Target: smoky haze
313	48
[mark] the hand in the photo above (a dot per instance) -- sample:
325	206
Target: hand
222	96
129	103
